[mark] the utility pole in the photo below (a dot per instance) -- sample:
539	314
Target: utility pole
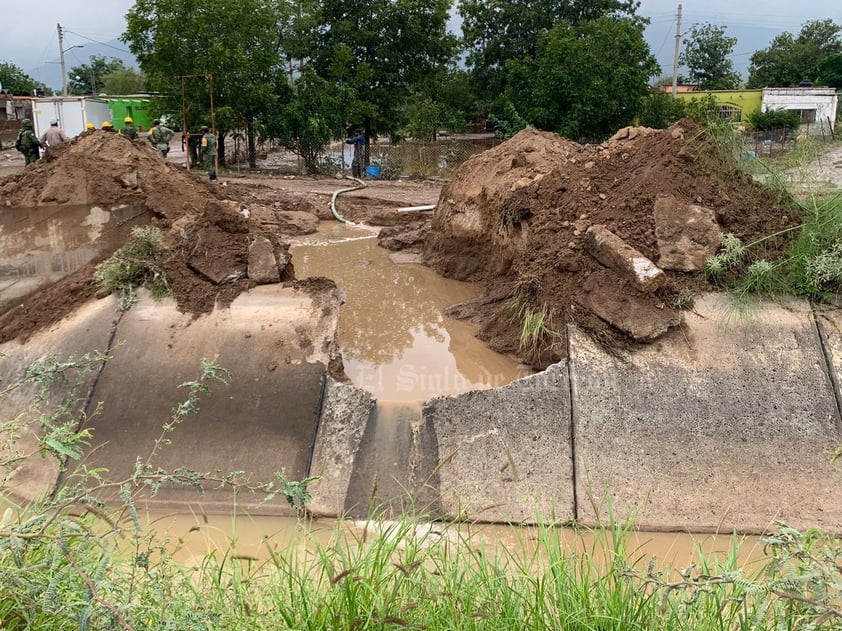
61	57
675	56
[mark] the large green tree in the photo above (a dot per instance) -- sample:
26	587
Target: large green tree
790	59
381	50
829	71
17	81
498	31
239	43
89	78
126	81
586	80
705	56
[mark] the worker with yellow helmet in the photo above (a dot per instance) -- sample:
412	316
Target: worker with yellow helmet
129	130
107	126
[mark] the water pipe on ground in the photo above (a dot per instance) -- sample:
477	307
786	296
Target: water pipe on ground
336	194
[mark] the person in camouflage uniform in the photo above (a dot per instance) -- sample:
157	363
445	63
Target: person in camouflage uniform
129	130
209	152
160	136
28	143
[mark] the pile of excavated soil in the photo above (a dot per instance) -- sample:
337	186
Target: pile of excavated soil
207	235
516	219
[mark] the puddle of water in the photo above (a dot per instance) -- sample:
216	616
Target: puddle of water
39	246
394	339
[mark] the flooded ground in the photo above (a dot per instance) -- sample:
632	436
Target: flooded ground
39	246
395	341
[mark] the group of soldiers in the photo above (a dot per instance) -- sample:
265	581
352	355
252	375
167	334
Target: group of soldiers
159	135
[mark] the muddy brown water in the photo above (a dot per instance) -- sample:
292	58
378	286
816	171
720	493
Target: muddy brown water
39	246
395	341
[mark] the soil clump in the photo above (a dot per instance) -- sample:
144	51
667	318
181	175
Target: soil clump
517	217
207	234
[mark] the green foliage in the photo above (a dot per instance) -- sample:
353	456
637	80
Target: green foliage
90	78
661	109
126	81
586	80
706	55
773	119
790	59
497	32
380	51
505	118
139	263
829	71
17	81
704	109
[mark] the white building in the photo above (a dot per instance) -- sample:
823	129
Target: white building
815	106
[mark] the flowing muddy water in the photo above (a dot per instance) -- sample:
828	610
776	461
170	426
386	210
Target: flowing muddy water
39	246
395	341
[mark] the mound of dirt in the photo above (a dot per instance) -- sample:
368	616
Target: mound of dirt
207	235
565	233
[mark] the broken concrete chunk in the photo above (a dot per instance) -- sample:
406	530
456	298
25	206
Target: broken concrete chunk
687	234
295	222
610	250
263	266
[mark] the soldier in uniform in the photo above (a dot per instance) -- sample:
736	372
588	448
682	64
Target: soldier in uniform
107	126
209	152
28	143
160	136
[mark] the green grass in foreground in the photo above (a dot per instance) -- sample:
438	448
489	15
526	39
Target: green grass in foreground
407	575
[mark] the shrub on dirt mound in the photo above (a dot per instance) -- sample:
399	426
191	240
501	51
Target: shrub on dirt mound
565	233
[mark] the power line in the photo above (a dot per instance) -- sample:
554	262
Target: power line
122	50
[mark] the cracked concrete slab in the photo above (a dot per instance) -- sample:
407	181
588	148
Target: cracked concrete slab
87	331
505	454
723	424
276	342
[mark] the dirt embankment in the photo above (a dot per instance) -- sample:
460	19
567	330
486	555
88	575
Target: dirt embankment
605	236
209	236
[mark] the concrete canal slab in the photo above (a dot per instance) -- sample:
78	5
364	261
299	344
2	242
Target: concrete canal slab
87	331
346	412
723	424
276	342
505	455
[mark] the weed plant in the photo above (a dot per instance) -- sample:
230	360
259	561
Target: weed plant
139	263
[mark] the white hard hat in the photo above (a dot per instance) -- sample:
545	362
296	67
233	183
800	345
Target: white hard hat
53	121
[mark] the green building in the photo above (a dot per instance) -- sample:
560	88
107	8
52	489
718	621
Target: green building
734	105
134	105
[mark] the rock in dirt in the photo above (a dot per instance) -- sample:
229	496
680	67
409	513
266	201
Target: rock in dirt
610	250
262	265
639	315
687	234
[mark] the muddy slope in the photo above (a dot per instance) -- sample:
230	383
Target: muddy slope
207	234
516	218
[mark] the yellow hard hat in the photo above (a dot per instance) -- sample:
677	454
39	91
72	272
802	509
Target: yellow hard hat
128	119
90	126
106	124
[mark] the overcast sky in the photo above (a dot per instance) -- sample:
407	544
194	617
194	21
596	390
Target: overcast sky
29	38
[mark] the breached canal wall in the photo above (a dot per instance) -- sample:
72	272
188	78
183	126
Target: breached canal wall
722	424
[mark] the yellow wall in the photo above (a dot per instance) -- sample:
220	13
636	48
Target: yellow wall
746	100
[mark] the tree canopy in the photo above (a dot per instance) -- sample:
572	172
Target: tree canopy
790	59
90	78
497	31
17	81
586	80
705	55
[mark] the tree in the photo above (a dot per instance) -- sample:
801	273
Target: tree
789	59
587	80
89	78
17	81
829	71
706	54
127	81
381	50
239	43
660	110
497	31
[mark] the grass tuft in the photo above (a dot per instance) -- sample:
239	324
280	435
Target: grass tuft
139	263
